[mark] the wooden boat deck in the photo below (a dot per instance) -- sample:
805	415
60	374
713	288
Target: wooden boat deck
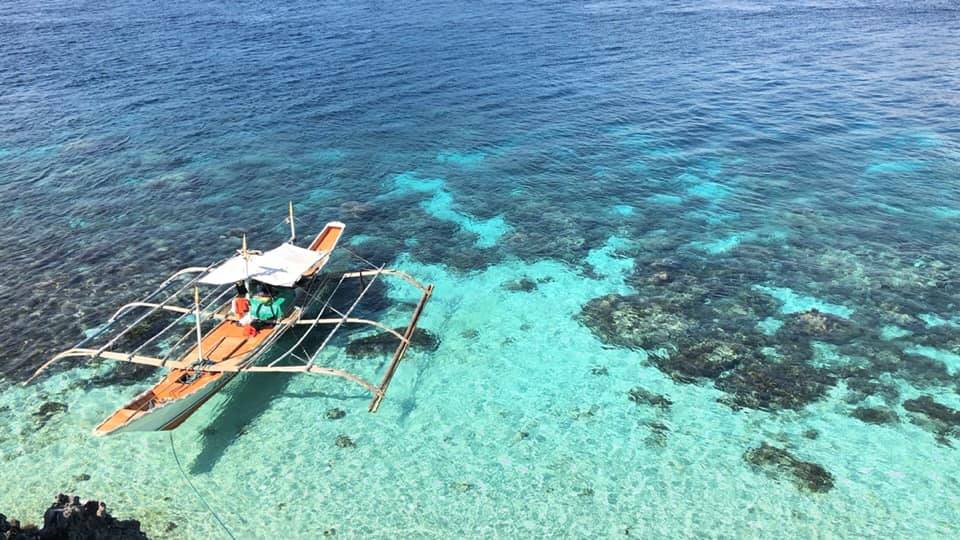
225	345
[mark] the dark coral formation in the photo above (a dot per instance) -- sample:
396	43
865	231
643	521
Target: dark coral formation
344	441
875	415
814	324
776	462
703	319
642	396
335	413
523	284
717	344
632	321
658	434
47	411
768	385
386	343
943	421
122	373
937	411
861	384
69	518
702	359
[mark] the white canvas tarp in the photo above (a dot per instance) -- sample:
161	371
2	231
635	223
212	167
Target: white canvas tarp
281	266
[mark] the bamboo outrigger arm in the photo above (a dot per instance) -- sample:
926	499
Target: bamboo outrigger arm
352	320
127	307
387	271
78	352
159	362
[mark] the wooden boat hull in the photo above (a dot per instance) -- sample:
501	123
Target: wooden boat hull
164	417
183	391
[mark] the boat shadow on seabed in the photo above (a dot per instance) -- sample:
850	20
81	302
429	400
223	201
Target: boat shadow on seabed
251	395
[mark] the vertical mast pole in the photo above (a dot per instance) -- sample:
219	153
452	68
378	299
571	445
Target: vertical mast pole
293	227
196	306
246	265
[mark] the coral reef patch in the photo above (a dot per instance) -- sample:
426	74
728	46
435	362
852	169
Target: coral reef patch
942	420
815	324
386	343
768	385
47	411
642	396
632	321
776	462
875	415
702	359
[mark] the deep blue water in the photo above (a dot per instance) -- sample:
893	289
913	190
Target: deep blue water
766	159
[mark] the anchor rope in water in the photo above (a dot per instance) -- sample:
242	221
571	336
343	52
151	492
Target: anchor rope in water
197	492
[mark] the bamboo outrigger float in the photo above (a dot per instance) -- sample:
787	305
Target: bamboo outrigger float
237	340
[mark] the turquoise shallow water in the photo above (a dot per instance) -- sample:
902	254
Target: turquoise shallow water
660	235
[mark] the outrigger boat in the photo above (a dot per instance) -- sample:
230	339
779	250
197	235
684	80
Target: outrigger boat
235	341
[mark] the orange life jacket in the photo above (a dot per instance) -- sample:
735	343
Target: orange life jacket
241	305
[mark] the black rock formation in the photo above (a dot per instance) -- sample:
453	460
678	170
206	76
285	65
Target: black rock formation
69	518
875	415
642	396
776	462
386	343
769	385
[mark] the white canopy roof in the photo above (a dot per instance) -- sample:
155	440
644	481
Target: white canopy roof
281	266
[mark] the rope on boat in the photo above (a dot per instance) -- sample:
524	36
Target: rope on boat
196	491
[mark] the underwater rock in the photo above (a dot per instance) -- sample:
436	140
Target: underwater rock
523	284
461	486
71	518
587	271
599	370
923	371
581	413
875	415
708	358
47	411
775	461
642	396
770	386
936	411
661	278
862	385
814	324
356	209
631	321
335	413
345	442
554	237
658	435
386	343
122	373
811	433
